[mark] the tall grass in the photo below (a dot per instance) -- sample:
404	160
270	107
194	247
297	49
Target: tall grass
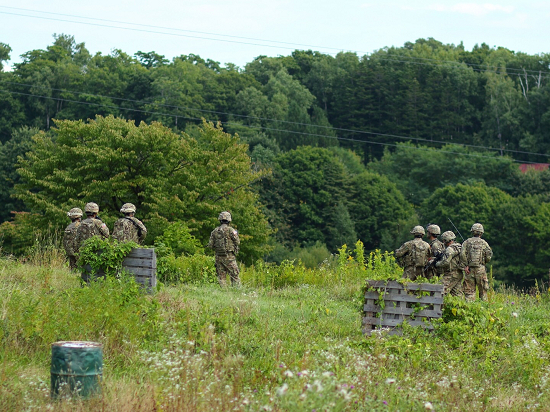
289	339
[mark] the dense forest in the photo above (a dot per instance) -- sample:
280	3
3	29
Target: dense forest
309	151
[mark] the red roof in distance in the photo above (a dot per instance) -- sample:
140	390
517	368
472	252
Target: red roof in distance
539	167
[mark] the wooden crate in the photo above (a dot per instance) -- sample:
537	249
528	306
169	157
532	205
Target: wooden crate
141	263
400	303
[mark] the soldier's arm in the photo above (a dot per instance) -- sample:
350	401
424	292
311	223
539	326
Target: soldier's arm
143	230
236	240
402	251
211	241
447	257
103	229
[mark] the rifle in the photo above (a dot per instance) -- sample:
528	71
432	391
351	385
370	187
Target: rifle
458	231
431	264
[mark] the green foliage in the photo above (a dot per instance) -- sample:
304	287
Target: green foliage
18	234
418	171
104	255
311	256
177	239
194	269
167	176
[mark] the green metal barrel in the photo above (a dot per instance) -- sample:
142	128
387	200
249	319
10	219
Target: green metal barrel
76	368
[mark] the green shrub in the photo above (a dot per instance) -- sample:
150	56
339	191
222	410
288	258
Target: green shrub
197	269
104	255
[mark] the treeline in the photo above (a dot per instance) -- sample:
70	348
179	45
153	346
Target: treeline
340	148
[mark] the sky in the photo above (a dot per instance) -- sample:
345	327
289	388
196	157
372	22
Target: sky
237	31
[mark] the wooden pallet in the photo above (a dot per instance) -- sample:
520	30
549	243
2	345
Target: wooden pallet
141	263
400	303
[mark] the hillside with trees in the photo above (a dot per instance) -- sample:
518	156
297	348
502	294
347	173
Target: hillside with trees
309	151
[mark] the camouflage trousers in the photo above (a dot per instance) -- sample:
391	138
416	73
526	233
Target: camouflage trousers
412	272
452	283
227	265
72	262
476	278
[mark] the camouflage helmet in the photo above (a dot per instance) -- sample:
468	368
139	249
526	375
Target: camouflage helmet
448	236
433	229
418	230
128	208
74	212
224	216
477	227
91	208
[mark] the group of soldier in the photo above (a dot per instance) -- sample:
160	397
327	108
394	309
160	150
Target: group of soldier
224	239
126	229
461	268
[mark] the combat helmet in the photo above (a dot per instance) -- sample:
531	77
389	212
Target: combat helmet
224	216
418	230
448	236
74	212
477	228
91	208
128	208
433	229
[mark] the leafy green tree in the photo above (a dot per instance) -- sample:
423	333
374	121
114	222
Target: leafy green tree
5	51
18	145
169	177
301	196
419	170
378	209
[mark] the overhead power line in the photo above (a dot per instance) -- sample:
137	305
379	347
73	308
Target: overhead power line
417	139
262	127
283	45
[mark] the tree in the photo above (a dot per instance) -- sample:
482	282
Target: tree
169	177
378	209
5	51
419	170
18	145
301	197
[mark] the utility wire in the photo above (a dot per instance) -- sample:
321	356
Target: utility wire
418	139
261	127
485	68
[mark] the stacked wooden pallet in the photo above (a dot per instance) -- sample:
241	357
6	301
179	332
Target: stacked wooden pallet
388	304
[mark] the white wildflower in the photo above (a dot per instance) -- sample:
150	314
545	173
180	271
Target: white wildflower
288	374
514	314
389	381
282	390
428	406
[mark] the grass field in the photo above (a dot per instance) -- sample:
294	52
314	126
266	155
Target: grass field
289	340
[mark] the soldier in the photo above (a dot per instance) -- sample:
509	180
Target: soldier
91	226
437	248
225	241
414	254
129	228
475	253
450	265
69	238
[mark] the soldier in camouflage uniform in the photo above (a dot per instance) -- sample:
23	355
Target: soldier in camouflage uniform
450	266
475	253
69	238
129	228
91	226
414	254
437	248
225	241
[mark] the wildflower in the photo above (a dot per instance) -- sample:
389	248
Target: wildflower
327	374
384	402
514	314
288	374
429	406
282	390
389	381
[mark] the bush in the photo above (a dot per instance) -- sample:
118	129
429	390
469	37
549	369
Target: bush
197	269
